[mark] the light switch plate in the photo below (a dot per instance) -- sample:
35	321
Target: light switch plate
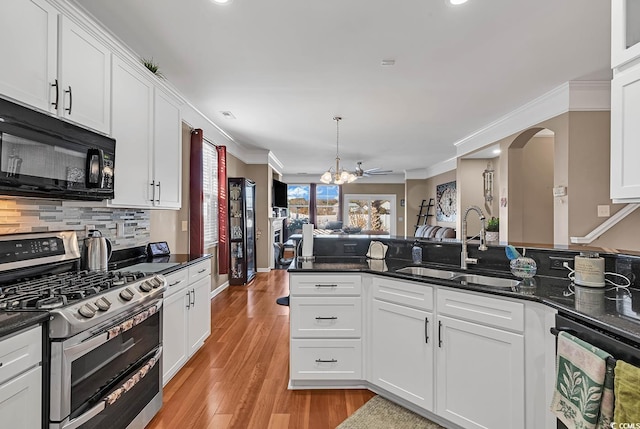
185	225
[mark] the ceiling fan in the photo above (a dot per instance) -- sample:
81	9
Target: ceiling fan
376	171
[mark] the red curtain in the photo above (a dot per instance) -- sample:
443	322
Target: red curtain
196	195
223	242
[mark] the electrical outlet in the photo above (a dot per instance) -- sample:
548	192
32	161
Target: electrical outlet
555	262
88	228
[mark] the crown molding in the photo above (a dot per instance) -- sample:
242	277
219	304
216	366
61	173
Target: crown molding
570	96
431	171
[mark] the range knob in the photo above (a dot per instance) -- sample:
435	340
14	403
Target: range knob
155	282
126	294
87	311
103	304
146	286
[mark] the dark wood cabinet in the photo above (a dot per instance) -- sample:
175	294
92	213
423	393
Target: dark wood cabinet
242	230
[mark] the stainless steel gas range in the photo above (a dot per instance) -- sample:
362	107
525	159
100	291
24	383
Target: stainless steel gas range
105	331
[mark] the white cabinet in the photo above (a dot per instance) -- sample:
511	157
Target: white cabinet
625	135
625	31
402	340
21	379
56	66
33	60
326	327
625	100
84	78
480	361
167	151
132	98
186	317
146	125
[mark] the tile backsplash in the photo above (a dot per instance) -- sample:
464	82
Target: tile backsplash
18	215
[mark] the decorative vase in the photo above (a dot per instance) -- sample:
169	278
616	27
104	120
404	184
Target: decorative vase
493	236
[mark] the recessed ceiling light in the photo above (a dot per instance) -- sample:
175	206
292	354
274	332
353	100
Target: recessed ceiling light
222	1
388	62
227	114
457	2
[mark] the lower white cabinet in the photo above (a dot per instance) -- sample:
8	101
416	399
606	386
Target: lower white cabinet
480	363
325	328
186	317
21	399
21	379
402	352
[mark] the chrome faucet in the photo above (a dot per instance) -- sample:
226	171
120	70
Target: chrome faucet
464	256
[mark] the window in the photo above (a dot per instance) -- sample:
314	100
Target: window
298	202
210	191
327	204
370	212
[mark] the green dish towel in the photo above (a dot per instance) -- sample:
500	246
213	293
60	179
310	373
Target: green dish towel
580	370
627	393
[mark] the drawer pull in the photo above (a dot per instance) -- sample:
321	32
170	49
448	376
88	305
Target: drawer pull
175	283
326	285
326	361
202	271
327	318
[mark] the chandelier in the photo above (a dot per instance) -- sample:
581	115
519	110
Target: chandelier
337	175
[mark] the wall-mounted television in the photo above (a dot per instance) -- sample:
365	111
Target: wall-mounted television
279	194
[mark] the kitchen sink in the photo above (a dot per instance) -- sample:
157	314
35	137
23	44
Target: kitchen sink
486	280
427	272
496	282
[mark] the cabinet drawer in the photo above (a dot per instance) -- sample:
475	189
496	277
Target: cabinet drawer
326	317
482	309
176	281
199	270
329	284
417	295
20	352
326	360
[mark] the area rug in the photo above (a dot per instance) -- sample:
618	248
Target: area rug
378	413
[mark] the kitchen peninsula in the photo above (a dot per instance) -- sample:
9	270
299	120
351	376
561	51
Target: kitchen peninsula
434	344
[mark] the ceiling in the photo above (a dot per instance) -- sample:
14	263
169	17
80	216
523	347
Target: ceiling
285	68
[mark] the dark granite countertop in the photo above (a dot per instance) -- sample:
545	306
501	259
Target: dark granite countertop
615	312
14	321
181	259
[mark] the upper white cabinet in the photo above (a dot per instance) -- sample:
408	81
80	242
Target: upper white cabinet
625	100
30	65
146	124
85	77
56	65
132	101
625	135
625	31
167	151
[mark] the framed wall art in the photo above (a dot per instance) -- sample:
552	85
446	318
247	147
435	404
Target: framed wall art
446	202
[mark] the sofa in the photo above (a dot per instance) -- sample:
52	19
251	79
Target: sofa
435	231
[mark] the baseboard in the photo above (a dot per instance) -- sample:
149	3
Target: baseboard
219	289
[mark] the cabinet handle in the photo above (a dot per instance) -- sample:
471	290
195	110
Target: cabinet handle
68	91
327	318
439	333
326	285
55	103
175	283
153	191
188	299
426	330
202	271
159	192
326	360
193	293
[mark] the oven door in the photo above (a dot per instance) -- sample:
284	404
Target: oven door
107	379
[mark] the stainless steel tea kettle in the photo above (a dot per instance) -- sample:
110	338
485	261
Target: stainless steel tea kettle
97	251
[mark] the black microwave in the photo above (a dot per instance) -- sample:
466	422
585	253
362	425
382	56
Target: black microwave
43	156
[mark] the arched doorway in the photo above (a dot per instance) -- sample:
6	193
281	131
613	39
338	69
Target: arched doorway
530	187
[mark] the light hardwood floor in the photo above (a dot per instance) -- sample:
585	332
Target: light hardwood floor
238	379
